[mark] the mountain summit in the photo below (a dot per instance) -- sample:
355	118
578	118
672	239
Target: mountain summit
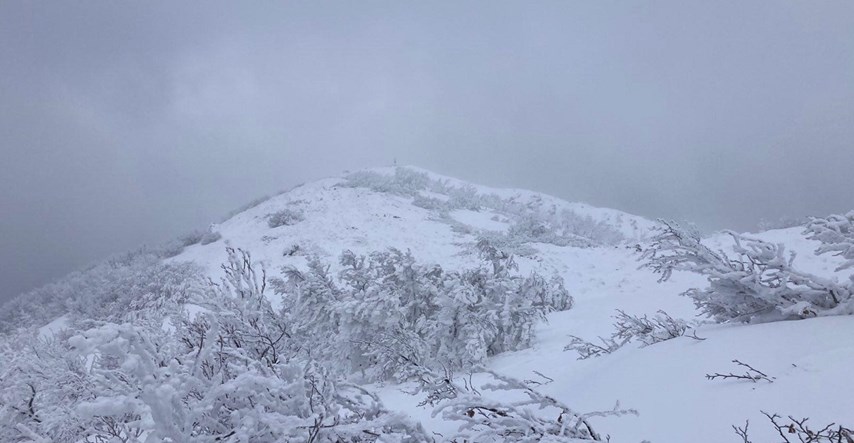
437	218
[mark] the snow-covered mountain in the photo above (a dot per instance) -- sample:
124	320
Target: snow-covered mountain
595	251
435	217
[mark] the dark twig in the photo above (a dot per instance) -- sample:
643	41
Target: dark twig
742	432
800	430
751	374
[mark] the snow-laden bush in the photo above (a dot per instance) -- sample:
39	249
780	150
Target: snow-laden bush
501	240
836	234
532	228
284	217
465	197
431	203
565	228
782	223
570	223
210	237
759	283
389	311
533	220
192	238
111	290
404	181
41	381
230	373
177	246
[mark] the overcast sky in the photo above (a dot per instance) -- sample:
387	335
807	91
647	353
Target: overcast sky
126	123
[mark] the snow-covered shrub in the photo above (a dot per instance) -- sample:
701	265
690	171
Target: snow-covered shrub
465	197
758	284
292	250
284	217
782	223
404	181
533	220
836	234
511	244
41	381
431	203
566	228
549	295
562	229
177	246
171	249
390	311
112	290
570	223
231	372
210	237
532	229
310	300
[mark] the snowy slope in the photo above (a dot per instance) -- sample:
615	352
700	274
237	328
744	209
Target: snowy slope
440	219
338	218
665	382
811	359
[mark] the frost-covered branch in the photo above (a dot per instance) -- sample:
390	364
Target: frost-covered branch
648	331
533	418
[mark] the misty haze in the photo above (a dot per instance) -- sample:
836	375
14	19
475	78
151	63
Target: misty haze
426	222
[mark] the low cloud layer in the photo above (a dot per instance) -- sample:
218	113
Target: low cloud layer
123	124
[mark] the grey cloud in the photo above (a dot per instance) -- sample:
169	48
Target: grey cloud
123	123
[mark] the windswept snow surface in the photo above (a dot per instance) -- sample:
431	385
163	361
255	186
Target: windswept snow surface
810	360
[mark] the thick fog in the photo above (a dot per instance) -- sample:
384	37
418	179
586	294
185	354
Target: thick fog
129	123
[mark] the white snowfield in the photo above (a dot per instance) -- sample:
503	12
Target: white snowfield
809	361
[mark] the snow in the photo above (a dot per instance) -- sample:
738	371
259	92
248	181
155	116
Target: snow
665	382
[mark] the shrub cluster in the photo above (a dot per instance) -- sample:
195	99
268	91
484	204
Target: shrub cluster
285	217
387	312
